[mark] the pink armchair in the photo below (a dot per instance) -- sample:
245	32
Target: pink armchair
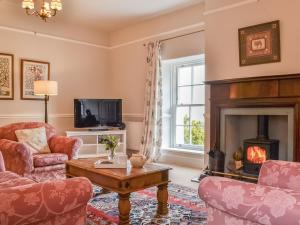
60	202
40	167
2	166
275	200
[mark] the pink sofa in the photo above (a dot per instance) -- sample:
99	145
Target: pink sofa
60	202
275	200
40	167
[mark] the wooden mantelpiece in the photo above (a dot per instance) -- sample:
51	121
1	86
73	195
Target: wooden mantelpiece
267	91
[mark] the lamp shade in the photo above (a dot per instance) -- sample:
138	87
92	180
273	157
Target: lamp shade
45	87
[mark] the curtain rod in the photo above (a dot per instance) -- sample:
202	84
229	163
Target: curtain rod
179	36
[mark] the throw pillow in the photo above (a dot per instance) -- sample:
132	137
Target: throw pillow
35	139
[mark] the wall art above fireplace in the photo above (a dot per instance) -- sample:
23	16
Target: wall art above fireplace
259	44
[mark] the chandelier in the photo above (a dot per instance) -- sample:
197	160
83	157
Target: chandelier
46	11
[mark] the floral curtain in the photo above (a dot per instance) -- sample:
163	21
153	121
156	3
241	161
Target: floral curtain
152	138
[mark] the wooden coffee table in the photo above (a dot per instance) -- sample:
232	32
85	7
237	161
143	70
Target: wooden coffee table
124	182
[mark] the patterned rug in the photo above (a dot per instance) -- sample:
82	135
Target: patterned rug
185	208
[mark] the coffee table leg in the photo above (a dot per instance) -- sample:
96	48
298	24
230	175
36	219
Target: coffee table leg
162	198
124	209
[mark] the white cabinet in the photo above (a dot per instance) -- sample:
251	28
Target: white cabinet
91	146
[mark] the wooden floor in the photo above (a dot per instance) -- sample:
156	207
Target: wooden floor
183	175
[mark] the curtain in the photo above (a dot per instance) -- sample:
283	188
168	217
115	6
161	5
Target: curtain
152	138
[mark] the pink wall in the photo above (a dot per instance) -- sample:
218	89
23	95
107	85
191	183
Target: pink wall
93	72
81	70
188	16
12	15
128	55
221	35
127	63
222	51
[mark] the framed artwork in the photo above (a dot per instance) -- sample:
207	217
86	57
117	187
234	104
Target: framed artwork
6	76
259	44
32	71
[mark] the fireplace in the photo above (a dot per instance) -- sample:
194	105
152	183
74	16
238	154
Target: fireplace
261	148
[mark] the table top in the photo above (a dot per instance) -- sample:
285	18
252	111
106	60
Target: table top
120	174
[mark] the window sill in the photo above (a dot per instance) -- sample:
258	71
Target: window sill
185	151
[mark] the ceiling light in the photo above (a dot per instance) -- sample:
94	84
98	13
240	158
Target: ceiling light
46	11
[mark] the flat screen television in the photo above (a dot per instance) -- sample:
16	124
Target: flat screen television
97	113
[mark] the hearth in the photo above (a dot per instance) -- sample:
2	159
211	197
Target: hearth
259	149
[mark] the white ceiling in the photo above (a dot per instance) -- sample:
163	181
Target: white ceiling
111	15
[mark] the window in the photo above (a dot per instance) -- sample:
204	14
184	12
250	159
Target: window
188	116
184	103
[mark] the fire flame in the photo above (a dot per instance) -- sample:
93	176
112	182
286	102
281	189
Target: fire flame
256	154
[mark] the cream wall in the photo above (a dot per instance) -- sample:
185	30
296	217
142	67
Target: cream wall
221	33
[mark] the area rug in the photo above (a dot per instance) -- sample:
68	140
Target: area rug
185	208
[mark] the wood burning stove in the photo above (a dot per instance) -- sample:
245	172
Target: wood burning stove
260	149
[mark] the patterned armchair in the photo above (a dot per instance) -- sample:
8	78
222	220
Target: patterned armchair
60	202
275	200
40	167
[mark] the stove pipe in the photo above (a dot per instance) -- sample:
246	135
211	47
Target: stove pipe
263	127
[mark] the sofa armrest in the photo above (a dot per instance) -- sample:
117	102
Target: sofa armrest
247	201
67	145
34	203
280	174
17	157
2	166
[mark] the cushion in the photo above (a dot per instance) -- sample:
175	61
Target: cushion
42	160
35	139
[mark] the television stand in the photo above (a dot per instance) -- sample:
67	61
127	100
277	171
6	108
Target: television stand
91	146
99	129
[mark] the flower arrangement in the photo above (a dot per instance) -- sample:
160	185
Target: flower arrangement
111	143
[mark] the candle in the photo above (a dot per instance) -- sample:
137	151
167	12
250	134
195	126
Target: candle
28	4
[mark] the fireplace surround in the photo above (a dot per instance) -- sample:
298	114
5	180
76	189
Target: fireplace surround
240	124
263	93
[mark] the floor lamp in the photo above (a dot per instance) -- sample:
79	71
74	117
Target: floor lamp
45	88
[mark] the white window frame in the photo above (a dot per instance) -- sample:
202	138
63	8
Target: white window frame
174	80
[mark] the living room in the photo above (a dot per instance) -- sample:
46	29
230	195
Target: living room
188	85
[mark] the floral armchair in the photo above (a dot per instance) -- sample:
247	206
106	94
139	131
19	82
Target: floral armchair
275	200
60	202
40	167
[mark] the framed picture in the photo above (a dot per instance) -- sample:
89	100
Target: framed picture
6	76
32	71
260	44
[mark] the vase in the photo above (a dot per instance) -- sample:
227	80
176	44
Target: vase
111	155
